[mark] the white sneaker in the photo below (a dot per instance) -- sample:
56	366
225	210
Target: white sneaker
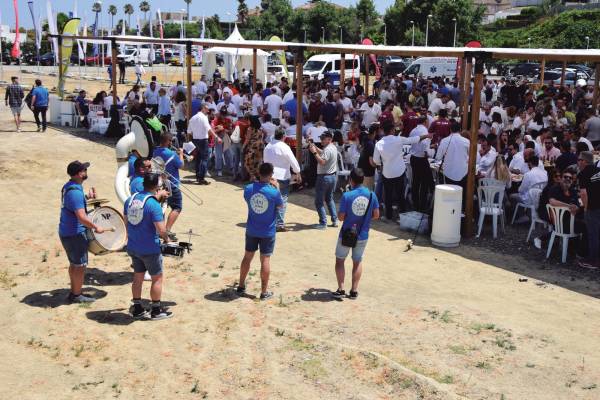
147	276
18	129
208	175
219	173
537	242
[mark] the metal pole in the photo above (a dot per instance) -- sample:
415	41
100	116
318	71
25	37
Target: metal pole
254	75
476	104
60	60
341	36
385	34
188	62
596	89
427	31
563	73
114	70
323	30
466	92
299	92
455	23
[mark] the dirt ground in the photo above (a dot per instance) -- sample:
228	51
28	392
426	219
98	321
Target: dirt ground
428	324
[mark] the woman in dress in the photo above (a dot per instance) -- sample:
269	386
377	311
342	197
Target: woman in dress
253	147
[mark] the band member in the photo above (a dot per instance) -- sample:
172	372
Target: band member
72	226
145	223
141	167
173	161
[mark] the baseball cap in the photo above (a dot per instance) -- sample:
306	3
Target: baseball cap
326	134
76	167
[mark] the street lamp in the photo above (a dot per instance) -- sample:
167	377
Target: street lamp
182	22
413	32
427	30
323	30
385	34
259	34
304	35
283	38
229	15
362	34
529	42
587	42
454	41
341	34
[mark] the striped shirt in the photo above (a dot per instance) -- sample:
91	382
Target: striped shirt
14	95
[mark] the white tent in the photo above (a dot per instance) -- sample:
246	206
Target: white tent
235	59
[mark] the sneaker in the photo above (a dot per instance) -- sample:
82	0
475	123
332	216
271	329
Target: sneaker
335	224
208	175
537	242
338	294
240	290
159	313
203	182
19	130
281	229
137	311
266	295
219	173
147	277
320	226
39	129
353	295
80	298
43	129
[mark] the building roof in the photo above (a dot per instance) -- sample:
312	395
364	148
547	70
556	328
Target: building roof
309	6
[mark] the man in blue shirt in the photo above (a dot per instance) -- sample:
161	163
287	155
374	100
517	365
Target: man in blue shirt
141	167
39	102
291	107
145	223
263	200
173	161
357	208
134	155
72	227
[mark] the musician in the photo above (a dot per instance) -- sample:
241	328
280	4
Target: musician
141	167
72	227
145	224
173	160
134	155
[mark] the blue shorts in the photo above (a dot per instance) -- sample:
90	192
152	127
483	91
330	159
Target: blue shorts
76	247
149	262
267	245
341	251
175	201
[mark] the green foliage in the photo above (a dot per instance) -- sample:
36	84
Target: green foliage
242	12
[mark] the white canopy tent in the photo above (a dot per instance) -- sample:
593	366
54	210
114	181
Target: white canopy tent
235	59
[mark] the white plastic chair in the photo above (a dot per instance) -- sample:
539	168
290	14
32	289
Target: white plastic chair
491	199
96	112
539	185
490	182
342	171
534	196
556	214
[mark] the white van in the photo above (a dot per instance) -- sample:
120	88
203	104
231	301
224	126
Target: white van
430	67
319	64
131	55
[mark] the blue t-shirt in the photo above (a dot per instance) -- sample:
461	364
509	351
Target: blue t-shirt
73	199
130	164
172	161
354	205
136	184
142	237
196	104
41	96
290	106
263	200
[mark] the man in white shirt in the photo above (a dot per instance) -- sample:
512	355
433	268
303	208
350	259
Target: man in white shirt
485	120
273	104
453	151
422	180
371	112
436	105
281	156
486	159
200	129
201	87
388	151
232	109
346	105
257	101
238	101
151	97
536	177
268	127
314	133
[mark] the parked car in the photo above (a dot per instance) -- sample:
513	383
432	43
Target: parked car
7	59
571	76
276	72
393	65
95	60
528	69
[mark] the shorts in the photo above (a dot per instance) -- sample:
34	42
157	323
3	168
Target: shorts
175	201
342	251
76	247
267	245
16	110
149	262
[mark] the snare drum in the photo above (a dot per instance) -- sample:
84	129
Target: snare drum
109	241
175	249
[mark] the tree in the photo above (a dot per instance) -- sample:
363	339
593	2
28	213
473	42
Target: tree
187	2
112	11
242	12
144	7
128	10
366	13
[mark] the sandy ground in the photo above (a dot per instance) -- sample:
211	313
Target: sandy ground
429	323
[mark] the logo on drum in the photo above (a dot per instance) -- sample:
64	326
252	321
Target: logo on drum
359	206
106	216
259	203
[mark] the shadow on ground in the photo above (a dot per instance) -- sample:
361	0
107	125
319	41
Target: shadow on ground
58	297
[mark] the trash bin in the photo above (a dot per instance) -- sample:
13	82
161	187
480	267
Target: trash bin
333	78
446	216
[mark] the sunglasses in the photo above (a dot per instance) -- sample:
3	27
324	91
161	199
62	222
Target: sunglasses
567	177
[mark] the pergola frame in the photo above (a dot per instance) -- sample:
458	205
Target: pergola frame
473	61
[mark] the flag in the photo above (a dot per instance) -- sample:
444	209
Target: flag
70	29
16	49
152	56
82	44
160	30
95	33
52	28
181	36
38	38
280	55
200	48
139	33
75	9
35	25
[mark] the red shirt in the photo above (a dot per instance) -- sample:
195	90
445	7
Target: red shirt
243	124
410	120
440	129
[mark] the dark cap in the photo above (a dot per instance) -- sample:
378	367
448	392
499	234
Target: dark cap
223	110
326	134
76	167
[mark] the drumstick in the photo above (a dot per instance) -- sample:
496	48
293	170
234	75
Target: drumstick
111	229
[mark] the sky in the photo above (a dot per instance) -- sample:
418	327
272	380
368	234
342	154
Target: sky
197	7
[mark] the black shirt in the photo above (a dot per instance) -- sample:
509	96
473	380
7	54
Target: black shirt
589	179
565	160
363	161
557	193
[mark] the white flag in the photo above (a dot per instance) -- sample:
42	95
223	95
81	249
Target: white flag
75	9
200	48
181	48
152	56
82	44
160	30
52	28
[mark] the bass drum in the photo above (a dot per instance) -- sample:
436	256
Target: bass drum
109	241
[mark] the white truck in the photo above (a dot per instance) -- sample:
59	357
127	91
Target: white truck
320	64
430	67
133	55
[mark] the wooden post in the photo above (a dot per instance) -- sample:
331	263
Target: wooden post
563	73
113	60
342	71
60	63
366	74
543	72
475	106
596	88
299	59
466	90
460	78
254	74
188	65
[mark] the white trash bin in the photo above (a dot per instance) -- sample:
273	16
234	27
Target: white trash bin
446	216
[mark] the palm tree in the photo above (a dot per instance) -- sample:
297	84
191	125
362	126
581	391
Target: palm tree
144	7
97	8
128	9
112	11
188	9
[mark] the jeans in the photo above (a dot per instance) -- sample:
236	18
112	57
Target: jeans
220	155
324	188
393	193
235	152
592	224
139	79
284	189
181	126
36	114
201	157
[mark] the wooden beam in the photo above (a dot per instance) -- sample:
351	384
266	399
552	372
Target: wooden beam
254	74
596	88
543	72
188	66
475	106
342	71
466	91
113	60
563	73
299	59
367	72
